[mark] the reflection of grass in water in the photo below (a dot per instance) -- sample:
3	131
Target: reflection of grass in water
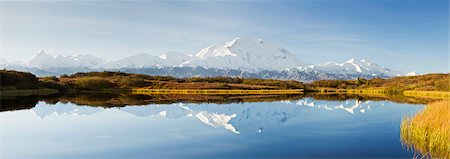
429	131
428	94
215	91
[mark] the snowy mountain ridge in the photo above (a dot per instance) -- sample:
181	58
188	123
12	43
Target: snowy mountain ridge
243	57
353	66
43	60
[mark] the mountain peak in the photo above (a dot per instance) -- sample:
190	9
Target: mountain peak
248	54
43	60
350	61
244	41
358	61
41	52
230	48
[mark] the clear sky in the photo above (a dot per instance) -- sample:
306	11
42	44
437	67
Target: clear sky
409	35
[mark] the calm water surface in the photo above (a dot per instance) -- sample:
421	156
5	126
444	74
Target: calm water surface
301	128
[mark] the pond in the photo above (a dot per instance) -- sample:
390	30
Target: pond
232	127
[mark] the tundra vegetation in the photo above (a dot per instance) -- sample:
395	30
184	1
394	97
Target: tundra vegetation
396	85
13	80
94	81
428	132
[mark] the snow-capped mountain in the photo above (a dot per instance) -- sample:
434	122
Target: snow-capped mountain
168	59
240	54
7	64
240	57
245	54
355	67
172	59
139	61
45	61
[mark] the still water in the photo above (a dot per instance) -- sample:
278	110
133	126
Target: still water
293	128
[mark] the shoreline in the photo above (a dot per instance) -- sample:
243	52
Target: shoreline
215	91
369	92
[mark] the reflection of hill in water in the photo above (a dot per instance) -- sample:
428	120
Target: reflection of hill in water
121	100
14	103
237	118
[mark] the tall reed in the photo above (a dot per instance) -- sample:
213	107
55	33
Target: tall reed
428	132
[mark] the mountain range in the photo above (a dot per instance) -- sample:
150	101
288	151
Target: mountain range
240	57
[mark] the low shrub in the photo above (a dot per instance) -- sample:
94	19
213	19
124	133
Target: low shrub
93	83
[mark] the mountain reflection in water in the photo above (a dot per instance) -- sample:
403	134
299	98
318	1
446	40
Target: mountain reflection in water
222	112
105	125
233	117
125	99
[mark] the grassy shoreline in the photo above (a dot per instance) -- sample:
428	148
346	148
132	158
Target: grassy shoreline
382	91
369	92
428	132
23	84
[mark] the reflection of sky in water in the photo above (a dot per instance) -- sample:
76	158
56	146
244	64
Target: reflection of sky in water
301	128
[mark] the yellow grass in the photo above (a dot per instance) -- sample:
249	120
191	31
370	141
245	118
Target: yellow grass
365	91
215	91
428	94
428	132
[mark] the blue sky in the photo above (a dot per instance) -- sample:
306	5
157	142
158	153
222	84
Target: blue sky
409	35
